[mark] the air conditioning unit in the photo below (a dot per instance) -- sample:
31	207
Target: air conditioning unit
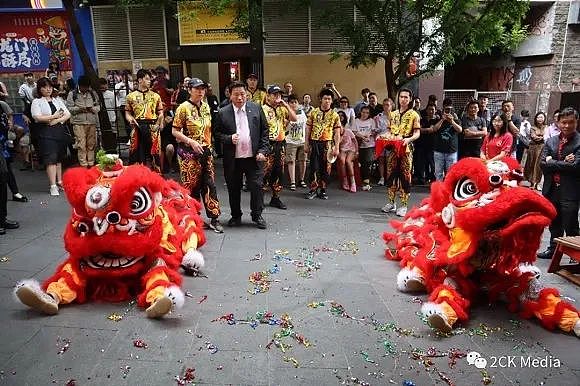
574	14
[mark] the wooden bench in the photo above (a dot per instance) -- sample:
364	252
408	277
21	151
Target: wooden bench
569	246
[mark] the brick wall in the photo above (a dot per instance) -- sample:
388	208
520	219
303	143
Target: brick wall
567	42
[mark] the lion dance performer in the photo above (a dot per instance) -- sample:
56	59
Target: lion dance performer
129	232
478	232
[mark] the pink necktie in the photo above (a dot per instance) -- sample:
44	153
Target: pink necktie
244	132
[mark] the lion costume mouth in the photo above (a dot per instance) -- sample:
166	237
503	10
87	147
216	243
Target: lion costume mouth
111	261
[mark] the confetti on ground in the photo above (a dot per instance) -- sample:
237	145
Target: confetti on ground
212	348
189	294
257	256
64	347
125	370
425	358
292	360
139	343
115	317
323	249
305	265
261	281
187	377
314	305
71	382
485	378
365	356
202	299
349	246
5	259
390	347
350	380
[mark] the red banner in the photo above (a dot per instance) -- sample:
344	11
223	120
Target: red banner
30	41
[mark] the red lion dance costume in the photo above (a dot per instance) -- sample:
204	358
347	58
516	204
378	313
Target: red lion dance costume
129	232
478	232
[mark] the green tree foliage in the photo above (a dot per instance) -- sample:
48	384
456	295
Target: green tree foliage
395	30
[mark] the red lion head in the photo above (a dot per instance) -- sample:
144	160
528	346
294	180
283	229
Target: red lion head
480	214
122	220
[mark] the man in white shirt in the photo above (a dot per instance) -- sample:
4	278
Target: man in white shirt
109	98
295	138
243	130
26	93
123	88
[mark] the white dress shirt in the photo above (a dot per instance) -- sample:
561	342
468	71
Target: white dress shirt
244	145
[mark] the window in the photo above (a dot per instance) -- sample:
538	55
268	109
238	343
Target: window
132	34
303	30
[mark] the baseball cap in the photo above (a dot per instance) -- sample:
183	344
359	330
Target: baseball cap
252	75
274	89
196	82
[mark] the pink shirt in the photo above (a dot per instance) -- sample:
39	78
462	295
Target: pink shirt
244	145
348	141
495	145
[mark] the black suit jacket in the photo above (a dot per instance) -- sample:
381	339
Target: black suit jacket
569	171
226	127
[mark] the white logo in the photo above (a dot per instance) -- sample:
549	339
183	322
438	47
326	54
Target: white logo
475	359
510	361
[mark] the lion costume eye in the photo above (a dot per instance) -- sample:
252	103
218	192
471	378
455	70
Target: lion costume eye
465	189
83	227
97	197
141	202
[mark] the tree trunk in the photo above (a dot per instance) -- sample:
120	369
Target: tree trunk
390	79
109	142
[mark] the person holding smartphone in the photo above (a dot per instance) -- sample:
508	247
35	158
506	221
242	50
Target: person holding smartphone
446	140
50	114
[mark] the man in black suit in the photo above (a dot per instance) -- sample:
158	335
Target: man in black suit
243	131
560	162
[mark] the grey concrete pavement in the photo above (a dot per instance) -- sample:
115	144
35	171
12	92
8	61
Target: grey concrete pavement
376	336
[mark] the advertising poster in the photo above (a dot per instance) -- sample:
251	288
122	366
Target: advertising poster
29	42
198	26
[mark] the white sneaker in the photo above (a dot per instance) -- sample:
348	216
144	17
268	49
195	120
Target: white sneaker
389	208
402	211
366	187
54	190
381	182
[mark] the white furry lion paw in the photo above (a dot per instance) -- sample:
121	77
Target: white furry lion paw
192	261
29	293
577	328
436	316
173	297
410	280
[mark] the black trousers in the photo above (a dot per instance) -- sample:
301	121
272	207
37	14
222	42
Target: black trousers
11	179
274	167
319	170
423	163
566	220
254	171
3	189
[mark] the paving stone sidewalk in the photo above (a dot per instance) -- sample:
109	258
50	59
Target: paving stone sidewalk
328	274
